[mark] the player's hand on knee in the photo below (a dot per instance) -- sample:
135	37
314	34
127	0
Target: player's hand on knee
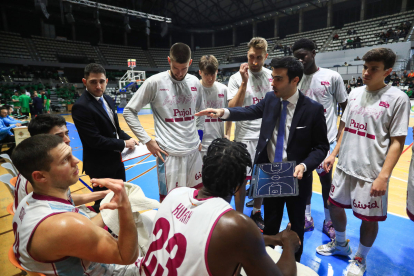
290	238
211	112
299	170
155	149
120	198
379	187
328	163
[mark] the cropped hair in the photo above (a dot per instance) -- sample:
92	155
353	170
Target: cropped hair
6	107
224	168
258	43
208	64
180	53
94	68
304	43
294	67
385	55
43	123
33	154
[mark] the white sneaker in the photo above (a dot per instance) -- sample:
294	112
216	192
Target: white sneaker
332	248
356	267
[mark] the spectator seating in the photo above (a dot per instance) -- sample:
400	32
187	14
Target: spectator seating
13	46
219	52
119	55
369	29
159	55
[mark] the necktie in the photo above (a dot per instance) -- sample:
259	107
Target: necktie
103	105
281	134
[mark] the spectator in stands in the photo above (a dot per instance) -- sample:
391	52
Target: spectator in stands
383	38
290	50
382	23
398	86
390	32
352	82
396	35
343	44
403	34
393	75
411	75
285	50
357	42
6	136
411	84
346	64
15	100
335	37
349	88
396	81
349	32
359	82
350	42
357	58
405	74
354	31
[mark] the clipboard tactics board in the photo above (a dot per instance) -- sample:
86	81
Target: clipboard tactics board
274	180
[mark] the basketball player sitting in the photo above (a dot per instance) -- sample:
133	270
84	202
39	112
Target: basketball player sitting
54	237
198	232
56	125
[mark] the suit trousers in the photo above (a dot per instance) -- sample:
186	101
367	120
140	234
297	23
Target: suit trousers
296	205
120	174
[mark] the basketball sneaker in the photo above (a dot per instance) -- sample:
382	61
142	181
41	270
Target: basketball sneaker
356	267
257	218
309	226
250	203
332	248
328	229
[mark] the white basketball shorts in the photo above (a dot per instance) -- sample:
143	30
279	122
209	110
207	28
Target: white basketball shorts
349	192
179	171
410	190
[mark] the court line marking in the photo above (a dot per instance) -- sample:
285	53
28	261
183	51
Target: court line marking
409	146
142	174
130	166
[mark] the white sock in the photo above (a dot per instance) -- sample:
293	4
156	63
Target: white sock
308	212
340	237
255	210
327	215
363	251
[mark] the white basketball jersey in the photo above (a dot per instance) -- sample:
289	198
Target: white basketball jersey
20	191
32	210
181	235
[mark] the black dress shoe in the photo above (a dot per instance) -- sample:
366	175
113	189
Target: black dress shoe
257	218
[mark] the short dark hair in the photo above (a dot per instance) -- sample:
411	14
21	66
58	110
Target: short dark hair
4	107
33	154
94	68
180	53
294	67
43	123
224	169
304	43
208	64
384	55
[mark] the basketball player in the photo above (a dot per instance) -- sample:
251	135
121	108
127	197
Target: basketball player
248	87
174	96
215	95
56	125
225	239
327	88
376	123
54	237
410	189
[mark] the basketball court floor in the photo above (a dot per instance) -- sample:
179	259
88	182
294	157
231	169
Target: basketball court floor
392	253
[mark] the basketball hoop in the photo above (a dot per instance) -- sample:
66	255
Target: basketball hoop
132	63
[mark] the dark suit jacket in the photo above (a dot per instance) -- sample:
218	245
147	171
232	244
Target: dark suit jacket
307	144
101	148
37	103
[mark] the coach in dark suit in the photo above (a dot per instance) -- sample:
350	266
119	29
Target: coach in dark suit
98	128
293	129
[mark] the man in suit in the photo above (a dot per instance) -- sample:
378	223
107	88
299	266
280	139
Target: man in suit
98	128
293	129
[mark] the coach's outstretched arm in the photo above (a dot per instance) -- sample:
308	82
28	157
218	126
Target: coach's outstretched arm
145	95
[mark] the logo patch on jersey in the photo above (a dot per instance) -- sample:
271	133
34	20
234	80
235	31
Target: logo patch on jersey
365	206
193	88
221	95
270	79
182	213
185	116
325	83
164	89
384	104
358	131
256	100
22	213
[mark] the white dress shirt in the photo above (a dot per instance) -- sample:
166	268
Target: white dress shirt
271	145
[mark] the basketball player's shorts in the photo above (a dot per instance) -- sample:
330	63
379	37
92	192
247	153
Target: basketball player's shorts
410	190
128	270
251	148
349	192
319	169
179	171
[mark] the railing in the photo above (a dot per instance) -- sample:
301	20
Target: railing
400	65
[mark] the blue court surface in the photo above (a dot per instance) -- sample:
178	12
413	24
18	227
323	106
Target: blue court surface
392	253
